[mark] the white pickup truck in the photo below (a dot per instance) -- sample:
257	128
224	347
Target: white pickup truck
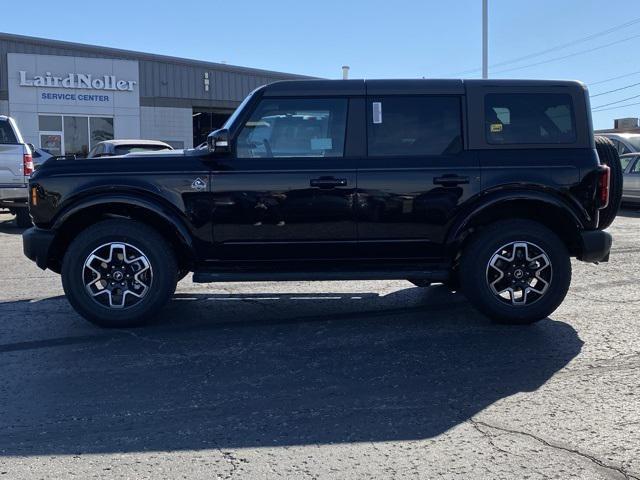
16	165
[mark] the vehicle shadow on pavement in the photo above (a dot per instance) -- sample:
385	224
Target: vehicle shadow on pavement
329	368
10	227
629	211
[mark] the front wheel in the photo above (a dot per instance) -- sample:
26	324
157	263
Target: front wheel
515	271
23	219
119	273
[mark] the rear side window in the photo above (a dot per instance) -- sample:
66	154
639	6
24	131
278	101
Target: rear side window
6	133
419	125
529	118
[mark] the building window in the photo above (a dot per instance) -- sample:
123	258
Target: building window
73	134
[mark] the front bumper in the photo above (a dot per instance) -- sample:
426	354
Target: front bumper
596	246
36	244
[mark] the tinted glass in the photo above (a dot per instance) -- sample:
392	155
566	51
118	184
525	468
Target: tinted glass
636	167
295	128
529	118
421	125
6	133
76	136
50	123
101	129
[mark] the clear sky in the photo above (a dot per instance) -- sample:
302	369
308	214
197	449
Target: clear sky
378	39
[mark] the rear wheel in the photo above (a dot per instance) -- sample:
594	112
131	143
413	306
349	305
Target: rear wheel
515	271
609	156
119	273
23	220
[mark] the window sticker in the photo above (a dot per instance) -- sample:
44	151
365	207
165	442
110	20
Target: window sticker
377	112
496	127
321	144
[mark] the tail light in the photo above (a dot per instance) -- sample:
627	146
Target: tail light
604	183
27	164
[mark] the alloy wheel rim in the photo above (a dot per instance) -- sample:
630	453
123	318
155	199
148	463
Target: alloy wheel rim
519	273
117	275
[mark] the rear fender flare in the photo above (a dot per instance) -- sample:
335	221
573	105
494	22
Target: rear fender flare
483	205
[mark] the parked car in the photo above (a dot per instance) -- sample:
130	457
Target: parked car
624	142
40	155
487	186
631	184
16	165
110	148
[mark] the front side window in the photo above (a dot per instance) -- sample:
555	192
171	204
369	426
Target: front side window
295	128
529	118
420	125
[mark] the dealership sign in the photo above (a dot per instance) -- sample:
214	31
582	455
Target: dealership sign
77	80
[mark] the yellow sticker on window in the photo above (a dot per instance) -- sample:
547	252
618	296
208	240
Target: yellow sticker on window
496	127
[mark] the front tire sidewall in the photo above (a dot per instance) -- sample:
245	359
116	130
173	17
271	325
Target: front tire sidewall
478	255
144	239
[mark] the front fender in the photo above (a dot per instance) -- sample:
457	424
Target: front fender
155	206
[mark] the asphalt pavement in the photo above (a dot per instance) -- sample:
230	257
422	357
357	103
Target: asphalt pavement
299	380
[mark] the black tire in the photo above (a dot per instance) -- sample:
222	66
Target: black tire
182	274
23	219
609	156
161	282
475	271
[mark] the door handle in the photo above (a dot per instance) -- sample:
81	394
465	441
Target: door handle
450	180
327	182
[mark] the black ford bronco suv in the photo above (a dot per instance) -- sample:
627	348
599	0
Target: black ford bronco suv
486	186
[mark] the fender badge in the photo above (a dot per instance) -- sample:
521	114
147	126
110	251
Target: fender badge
199	184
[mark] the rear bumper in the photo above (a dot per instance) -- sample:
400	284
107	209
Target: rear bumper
596	246
36	244
13	195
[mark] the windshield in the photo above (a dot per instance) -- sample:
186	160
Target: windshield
237	111
634	141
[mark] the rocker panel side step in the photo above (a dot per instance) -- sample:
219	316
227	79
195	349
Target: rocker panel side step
208	276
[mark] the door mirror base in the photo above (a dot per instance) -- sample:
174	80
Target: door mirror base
218	141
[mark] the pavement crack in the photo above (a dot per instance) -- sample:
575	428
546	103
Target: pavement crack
489	438
573	451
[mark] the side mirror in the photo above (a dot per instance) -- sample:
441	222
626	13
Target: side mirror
32	147
218	141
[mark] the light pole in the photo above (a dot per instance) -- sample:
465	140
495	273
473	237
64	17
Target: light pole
485	39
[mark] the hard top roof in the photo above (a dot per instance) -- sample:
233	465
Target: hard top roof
399	87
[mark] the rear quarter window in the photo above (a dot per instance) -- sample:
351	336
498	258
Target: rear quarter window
6	133
529	118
